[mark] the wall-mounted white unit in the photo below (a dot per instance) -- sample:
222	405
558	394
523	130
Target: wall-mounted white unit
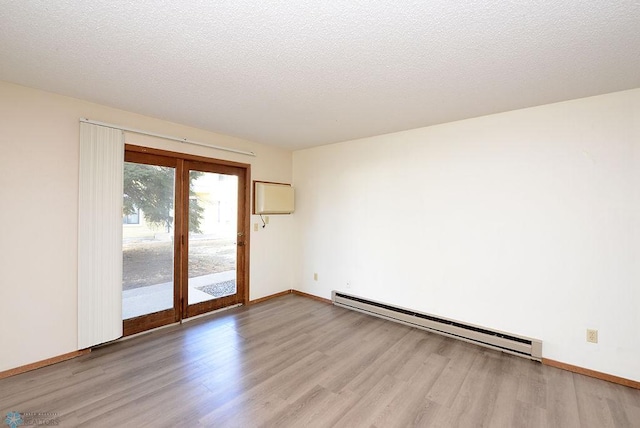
273	198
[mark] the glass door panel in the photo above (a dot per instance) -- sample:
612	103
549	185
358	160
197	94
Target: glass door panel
213	228
148	239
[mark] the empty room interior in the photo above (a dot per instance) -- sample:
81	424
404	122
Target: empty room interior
320	213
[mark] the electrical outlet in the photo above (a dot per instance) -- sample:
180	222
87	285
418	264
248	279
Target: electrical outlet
348	285
255	227
592	336
315	276
266	219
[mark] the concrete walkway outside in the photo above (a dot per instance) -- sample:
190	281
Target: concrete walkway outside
154	298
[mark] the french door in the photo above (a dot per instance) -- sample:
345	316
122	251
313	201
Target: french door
185	248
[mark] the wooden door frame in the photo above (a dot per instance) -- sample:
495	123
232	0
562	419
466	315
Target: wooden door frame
135	325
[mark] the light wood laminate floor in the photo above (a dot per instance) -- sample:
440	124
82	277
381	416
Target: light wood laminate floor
295	362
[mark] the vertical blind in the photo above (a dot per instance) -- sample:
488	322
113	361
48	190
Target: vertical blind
100	235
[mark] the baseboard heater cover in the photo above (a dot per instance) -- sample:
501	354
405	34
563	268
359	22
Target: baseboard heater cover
499	340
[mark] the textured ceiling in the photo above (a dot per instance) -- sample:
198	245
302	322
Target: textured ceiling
306	73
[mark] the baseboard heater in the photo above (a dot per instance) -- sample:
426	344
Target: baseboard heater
501	341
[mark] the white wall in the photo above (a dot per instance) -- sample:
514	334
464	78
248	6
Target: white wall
39	144
526	221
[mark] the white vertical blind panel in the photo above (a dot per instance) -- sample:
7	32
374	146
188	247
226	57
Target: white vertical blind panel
100	235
